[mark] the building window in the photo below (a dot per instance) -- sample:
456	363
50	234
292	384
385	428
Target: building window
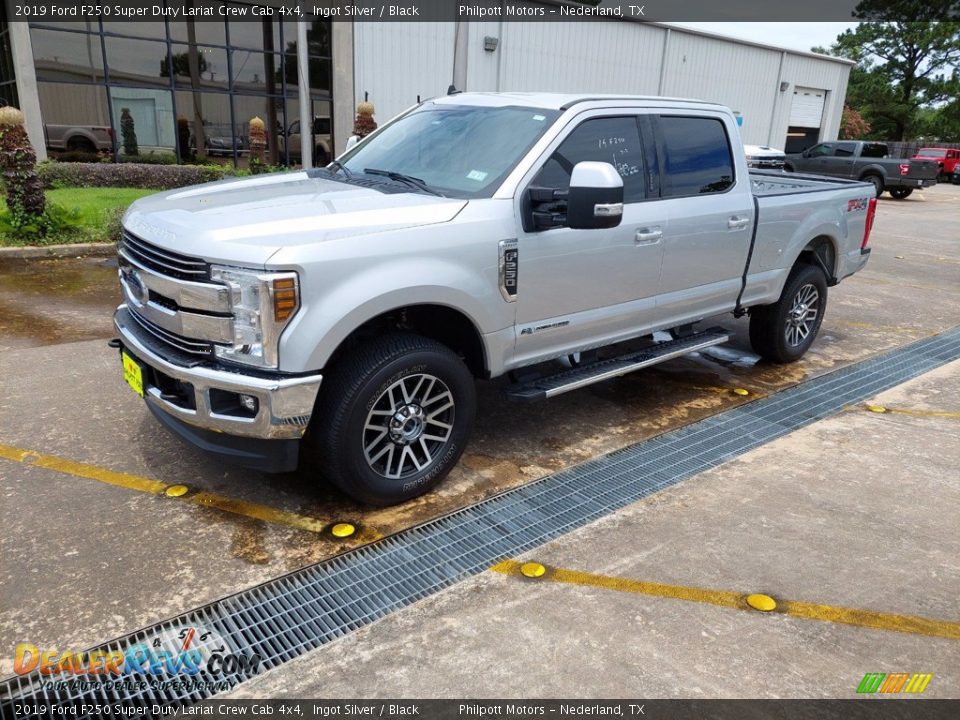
8	77
190	87
67	56
136	62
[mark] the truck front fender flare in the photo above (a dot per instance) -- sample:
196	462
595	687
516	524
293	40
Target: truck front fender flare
325	323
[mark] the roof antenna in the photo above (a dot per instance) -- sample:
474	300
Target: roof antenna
452	90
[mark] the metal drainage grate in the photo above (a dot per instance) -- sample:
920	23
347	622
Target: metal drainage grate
291	615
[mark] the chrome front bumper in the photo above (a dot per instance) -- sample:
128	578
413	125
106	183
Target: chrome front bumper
284	404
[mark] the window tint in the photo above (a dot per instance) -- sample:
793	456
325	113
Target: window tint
611	140
844	150
819	151
696	156
874	150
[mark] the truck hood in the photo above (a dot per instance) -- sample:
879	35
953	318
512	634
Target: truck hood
244	222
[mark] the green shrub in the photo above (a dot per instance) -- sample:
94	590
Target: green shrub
25	199
151	158
54	226
134	175
78	156
114	228
128	133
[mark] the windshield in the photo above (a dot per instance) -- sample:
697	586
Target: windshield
933	152
463	151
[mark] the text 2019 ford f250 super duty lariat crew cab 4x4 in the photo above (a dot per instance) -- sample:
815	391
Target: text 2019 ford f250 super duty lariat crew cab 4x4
341	315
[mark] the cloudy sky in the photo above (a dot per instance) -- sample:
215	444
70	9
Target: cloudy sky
793	35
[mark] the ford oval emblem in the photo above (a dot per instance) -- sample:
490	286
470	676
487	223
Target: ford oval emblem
136	289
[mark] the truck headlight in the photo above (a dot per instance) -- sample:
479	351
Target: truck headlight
262	304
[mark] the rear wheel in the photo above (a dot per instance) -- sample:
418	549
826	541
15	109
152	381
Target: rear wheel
877	183
81	144
901	193
393	418
784	331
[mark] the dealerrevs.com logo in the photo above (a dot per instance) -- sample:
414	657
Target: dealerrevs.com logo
894	683
184	658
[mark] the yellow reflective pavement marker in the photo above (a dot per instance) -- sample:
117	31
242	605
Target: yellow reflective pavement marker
912	624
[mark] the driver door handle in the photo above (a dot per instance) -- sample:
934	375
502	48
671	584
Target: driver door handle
648	235
738	223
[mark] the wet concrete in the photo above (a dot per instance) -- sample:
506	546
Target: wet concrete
48	302
70	537
859	511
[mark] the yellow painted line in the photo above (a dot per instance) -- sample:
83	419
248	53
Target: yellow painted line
912	624
156	487
901	329
872	280
887	410
79	469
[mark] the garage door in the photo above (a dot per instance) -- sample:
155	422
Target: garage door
807	108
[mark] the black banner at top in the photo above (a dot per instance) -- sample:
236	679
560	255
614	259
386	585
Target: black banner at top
54	11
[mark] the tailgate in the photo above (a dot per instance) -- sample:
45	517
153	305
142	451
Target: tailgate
923	169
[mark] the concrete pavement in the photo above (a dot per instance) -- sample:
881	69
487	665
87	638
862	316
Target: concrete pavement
85	560
861	510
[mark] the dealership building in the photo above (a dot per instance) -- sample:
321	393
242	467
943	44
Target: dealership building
190	87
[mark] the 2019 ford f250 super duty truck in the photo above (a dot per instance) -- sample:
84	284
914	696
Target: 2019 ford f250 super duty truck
341	315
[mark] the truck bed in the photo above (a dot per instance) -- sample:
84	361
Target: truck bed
791	209
773	183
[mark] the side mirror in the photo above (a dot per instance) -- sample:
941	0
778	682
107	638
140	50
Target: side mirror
596	196
351	141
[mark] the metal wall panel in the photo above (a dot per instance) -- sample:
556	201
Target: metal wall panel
799	70
742	77
397	61
596	57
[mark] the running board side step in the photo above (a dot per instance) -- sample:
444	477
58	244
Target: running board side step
562	382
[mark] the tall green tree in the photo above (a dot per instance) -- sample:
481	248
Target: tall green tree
903	67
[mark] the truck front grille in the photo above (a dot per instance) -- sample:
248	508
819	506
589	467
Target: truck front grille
192	347
165	262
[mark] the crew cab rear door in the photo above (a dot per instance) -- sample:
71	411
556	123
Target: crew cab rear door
706	195
839	163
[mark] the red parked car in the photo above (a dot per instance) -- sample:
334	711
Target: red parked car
947	158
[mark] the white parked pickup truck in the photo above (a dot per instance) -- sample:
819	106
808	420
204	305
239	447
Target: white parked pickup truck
341	315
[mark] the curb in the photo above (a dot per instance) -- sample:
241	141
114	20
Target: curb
30	252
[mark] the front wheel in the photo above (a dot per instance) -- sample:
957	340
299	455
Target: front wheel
393	418
901	193
784	331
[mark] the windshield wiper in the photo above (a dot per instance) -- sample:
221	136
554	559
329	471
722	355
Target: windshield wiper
340	166
407	179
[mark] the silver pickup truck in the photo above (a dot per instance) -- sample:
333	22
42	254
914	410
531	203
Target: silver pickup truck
340	316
